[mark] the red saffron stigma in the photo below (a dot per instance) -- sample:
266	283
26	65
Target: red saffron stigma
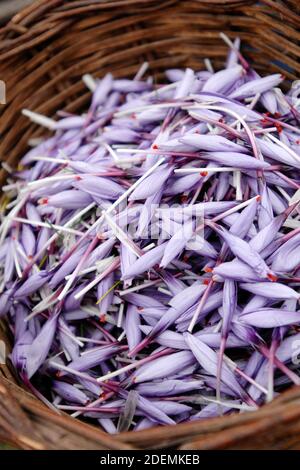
43	201
207	269
272	277
265	121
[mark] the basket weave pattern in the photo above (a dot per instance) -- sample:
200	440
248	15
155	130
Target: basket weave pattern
44	51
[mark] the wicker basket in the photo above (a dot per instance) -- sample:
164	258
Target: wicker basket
44	50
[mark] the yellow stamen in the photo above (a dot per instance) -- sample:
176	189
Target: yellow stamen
20	167
109	290
43	261
4	201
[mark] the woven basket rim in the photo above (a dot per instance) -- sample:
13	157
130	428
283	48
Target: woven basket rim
222	431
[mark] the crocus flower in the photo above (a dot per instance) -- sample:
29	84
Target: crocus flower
223	80
259	85
274	290
70	393
270	318
235	159
168	387
72	199
38	350
146	261
98	187
208	361
164	367
185	85
212	143
33	284
28	240
101	92
93	357
247	254
152	184
132	326
286	258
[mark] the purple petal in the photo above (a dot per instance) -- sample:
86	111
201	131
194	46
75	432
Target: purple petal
235	159
94	357
271	318
67	267
171	408
273	290
287	257
213	143
105	292
99	187
70	393
229	305
232	56
276	152
246	253
130	86
66	338
132	327
72	122
164	366
32	284
208	360
146	262
32	213
28	240
38	350
259	85
236	270
185	86
223	80
150	410
72	199
168	387
152	184
177	243
103	88
243	222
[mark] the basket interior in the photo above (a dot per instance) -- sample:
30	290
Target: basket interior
45	50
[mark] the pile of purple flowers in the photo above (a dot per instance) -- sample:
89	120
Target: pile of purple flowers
150	249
